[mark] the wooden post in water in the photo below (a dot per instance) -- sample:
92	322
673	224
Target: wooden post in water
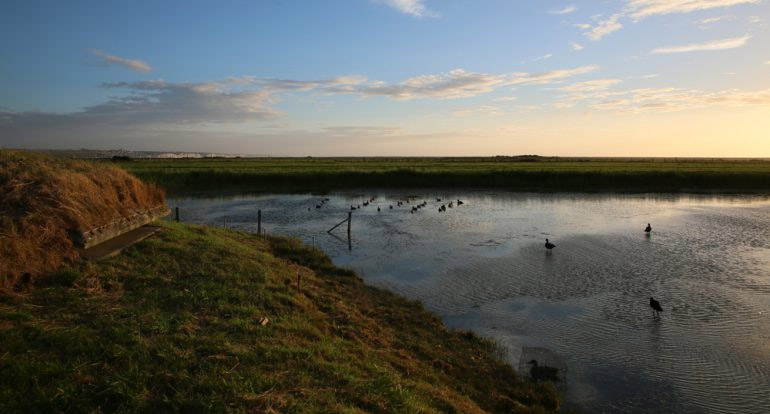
350	216
259	221
177	214
349	219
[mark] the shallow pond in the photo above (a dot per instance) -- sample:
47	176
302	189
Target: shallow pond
582	307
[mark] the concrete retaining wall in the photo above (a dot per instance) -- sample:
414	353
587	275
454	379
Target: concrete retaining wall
116	228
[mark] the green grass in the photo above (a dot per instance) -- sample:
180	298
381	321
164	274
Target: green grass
172	325
523	173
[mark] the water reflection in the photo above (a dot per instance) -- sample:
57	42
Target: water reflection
483	266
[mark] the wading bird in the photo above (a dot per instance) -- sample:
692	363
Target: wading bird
655	305
549	245
648	229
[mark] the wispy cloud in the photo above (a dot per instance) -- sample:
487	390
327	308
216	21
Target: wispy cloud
600	95
414	8
576	46
723	44
457	83
133	64
603	28
566	10
591	86
639	9
551	76
162	104
706	23
481	110
544	57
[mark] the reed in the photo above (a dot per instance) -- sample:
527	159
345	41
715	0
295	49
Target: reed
525	174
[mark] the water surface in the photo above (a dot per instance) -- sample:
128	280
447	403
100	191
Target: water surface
582	307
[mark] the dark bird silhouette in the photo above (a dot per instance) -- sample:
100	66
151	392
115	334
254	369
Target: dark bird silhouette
549	245
648	229
378	209
459	202
543	373
655	305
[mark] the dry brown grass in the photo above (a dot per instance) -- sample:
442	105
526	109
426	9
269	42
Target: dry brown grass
44	200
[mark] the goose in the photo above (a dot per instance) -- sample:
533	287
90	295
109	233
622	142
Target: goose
543	373
648	229
655	305
459	202
549	245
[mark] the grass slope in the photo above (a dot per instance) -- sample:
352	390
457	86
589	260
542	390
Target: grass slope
515	173
172	325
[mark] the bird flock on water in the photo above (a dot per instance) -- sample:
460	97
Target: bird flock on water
415	207
537	372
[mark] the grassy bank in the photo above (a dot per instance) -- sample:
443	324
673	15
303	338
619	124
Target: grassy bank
173	325
44	200
523	174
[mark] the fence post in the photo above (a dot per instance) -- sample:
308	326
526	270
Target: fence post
259	221
350	244
177	214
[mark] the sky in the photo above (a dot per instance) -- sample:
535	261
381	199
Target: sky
389	77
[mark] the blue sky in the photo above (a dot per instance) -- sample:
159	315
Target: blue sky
389	77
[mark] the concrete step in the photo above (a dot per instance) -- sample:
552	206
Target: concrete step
114	246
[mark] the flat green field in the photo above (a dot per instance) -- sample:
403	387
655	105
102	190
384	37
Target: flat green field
515	173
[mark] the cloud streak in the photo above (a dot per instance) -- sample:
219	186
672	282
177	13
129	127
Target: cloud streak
640	9
599	94
133	64
455	84
566	10
576	46
161	104
414	8
603	28
722	44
